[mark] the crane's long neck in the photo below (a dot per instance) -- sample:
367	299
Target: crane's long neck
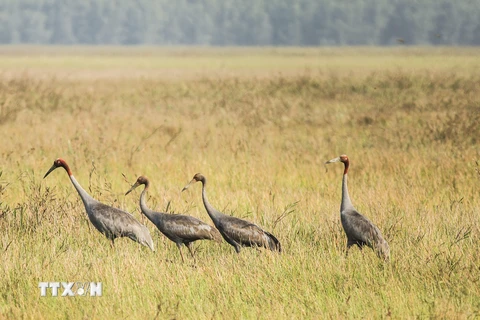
86	198
346	202
212	212
143	206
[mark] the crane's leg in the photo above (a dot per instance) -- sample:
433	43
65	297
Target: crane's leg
360	246
349	245
179	246
191	252
112	244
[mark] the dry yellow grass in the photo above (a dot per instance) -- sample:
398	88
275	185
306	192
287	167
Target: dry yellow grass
259	124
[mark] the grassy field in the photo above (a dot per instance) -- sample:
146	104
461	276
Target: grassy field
259	124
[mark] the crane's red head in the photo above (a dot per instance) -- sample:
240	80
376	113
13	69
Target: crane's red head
197	177
56	164
344	159
143	180
140	180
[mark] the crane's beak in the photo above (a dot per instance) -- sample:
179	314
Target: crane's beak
51	169
188	185
333	160
133	187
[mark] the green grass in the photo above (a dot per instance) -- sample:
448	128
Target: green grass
259	124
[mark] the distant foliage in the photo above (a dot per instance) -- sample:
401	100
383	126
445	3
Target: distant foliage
245	23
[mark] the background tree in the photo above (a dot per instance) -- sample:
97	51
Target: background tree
246	23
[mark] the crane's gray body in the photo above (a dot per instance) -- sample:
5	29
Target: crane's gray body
112	222
237	232
181	229
115	223
240	233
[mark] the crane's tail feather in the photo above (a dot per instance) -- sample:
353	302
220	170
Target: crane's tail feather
150	244
274	244
144	241
216	236
383	250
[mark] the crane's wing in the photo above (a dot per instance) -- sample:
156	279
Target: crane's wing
360	229
115	223
187	228
246	233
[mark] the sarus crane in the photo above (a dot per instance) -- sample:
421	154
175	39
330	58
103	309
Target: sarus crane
359	229
237	232
112	222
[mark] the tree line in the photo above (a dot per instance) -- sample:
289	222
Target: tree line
241	22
